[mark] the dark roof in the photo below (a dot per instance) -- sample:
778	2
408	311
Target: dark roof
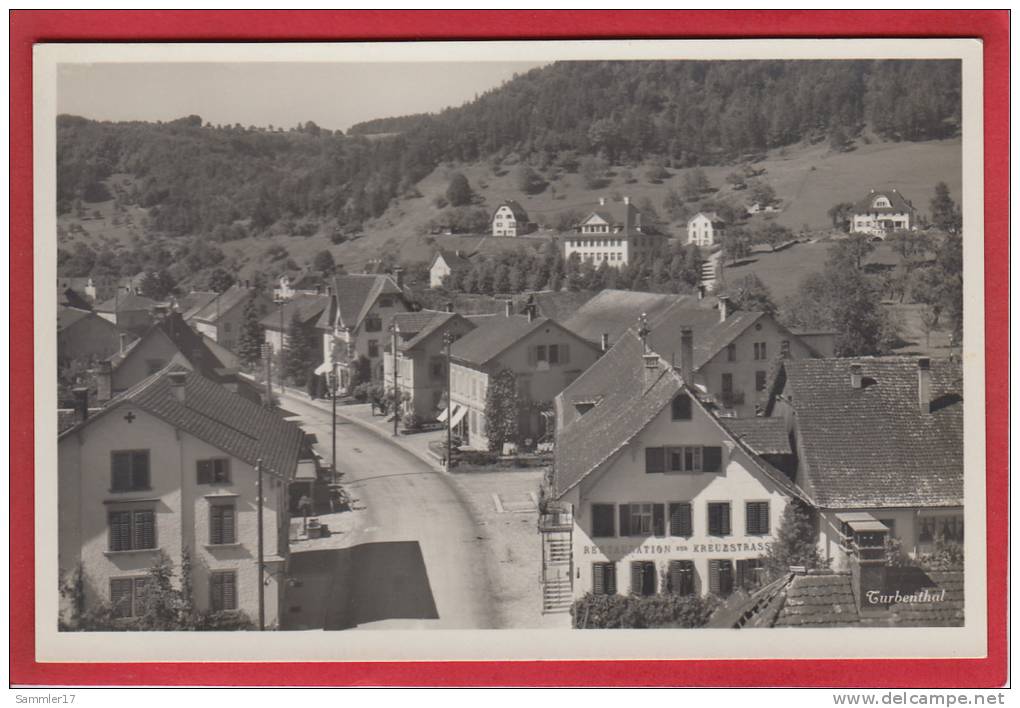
307	307
766	436
452	258
416	327
67	316
354	295
873	447
516	208
711	216
613	312
127	302
619	215
494	335
710	334
559	305
223	419
220	306
69	297
898	203
190	304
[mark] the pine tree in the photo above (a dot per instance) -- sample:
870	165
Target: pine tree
796	542
300	349
944	214
249	347
501	410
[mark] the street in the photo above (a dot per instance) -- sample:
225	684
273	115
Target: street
409	556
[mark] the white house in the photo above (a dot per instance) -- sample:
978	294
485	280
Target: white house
881	212
705	228
443	264
510	219
612	234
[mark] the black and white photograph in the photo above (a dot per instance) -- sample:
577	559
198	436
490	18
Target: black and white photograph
533	337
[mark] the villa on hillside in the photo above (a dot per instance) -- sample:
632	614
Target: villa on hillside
881	212
611	234
705	229
510	219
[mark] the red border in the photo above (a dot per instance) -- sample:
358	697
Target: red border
28	27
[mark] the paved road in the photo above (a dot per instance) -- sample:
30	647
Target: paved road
415	558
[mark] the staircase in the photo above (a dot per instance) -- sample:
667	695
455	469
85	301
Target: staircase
557	562
710	272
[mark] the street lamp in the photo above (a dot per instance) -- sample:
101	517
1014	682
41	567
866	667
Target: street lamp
395	330
280	300
332	382
448	339
267	360
262	559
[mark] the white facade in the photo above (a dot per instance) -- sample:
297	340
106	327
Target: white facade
703	231
878	215
505	223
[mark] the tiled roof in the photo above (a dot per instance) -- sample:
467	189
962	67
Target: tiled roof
129	302
416	327
67	316
898	203
710	215
873	447
516	208
617	214
613	312
354	295
192	303
223	419
710	335
559	305
308	307
766	436
220	306
493	335
452	258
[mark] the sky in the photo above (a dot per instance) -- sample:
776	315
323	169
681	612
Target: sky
334	95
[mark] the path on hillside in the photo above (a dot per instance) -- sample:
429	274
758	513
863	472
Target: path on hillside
414	558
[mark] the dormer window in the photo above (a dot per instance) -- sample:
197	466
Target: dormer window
881	203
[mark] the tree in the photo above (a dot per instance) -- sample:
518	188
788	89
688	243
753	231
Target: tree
300	348
361	372
158	285
592	171
796	542
249	346
695	184
219	280
944	213
501	410
852	250
528	181
750	294
736	244
324	263
841	215
459	193
773	234
760	192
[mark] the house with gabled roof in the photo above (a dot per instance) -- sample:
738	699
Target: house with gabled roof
651	492
613	234
82	334
706	228
510	219
882	212
445	262
130	311
420	360
276	325
222	318
355	324
543	355
170	466
876	439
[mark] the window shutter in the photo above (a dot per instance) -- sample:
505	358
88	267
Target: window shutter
120	596
713	577
120	530
215	526
659	519
204	471
121	471
229	591
682	407
655	460
564	353
603	520
228	524
216	591
625	519
742	576
725	577
145	529
711	458
680	520
598	578
636	575
610	576
725	518
141	586
140	469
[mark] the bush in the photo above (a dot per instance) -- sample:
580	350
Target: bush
634	612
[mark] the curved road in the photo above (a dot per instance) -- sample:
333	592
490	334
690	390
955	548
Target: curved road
415	557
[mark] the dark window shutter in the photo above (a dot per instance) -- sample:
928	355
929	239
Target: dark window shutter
682	407
659	519
742	578
141	586
120	530
120	596
725	577
711	458
121	463
655	460
637	574
603	520
725	515
680	520
145	529
140	469
205	471
216	591
229	591
610	576
625	519
215	526
598	578
713	577
228	524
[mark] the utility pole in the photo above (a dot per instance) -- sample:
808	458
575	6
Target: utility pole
267	359
283	370
331	379
448	341
395	329
262	560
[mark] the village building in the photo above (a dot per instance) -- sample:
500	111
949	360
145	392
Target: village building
191	303
876	440
83	335
421	375
510	219
651	492
706	228
443	264
169	467
355	325
276	325
130	312
171	341
612	234
882	212
543	355
222	319
298	282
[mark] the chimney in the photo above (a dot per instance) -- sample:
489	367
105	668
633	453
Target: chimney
687	356
449	306
177	381
531	312
81	402
605	341
924	384
329	290
228	378
856	380
247	285
123	342
602	201
509	307
651	369
724	308
868	561
104	382
398	274
701	292
626	200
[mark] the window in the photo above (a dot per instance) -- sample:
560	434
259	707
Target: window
759	380
756	520
373	323
642	519
385	301
437	368
727	386
681	408
554	354
720	577
127	596
655	460
603	520
684	459
680	520
130	470
719	519
603	578
688	458
731	352
760	351
373	348
221	524
681	577
750	573
223	591
214	471
132	530
540	353
784	348
642	577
